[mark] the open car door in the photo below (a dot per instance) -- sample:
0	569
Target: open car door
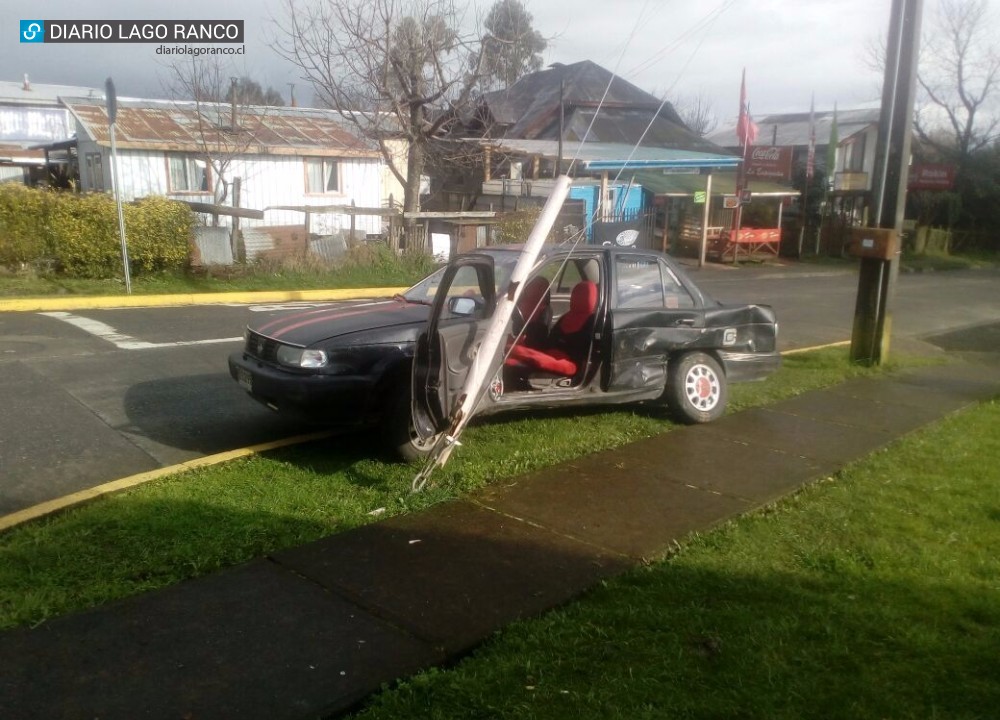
447	351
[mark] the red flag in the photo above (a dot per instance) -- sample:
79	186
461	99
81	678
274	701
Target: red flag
811	155
746	130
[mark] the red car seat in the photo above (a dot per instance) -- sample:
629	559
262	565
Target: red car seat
565	352
535	313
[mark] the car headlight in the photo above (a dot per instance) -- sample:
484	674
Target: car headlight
301	357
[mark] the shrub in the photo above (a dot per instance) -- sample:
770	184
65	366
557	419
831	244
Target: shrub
24	217
80	232
514	227
85	236
159	234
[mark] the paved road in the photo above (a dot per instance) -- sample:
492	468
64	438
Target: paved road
96	395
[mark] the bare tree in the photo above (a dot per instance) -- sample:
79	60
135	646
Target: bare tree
223	130
391	68
697	113
959	74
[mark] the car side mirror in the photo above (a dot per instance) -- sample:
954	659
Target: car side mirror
462	306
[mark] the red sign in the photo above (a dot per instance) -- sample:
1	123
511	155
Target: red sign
770	163
931	177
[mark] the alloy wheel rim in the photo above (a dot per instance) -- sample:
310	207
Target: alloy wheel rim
702	388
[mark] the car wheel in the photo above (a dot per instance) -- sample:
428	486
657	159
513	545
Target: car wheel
403	440
696	388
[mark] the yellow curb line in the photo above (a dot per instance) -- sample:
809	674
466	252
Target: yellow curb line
51	506
77	302
796	351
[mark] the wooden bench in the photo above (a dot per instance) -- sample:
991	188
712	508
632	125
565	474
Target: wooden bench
748	243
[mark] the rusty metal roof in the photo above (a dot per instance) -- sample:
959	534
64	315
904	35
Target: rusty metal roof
201	127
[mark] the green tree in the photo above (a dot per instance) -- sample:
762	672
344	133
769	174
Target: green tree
511	47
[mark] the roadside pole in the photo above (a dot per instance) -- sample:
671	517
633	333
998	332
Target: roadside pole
879	247
112	105
705	217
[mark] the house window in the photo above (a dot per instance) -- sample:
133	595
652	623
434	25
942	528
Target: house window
322	176
855	160
94	167
187	174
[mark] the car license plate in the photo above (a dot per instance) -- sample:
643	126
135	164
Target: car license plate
245	379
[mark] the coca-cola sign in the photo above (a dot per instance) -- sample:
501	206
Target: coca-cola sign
768	162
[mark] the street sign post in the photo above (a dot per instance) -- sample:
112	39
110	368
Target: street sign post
111	100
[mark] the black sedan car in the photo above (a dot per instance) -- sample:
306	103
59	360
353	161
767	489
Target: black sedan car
593	325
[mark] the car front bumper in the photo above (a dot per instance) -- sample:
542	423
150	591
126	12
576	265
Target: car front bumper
323	398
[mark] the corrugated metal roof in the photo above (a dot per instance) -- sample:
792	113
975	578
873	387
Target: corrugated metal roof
13	93
723	183
791	129
611	156
191	127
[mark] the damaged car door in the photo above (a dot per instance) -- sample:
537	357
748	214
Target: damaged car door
446	352
654	316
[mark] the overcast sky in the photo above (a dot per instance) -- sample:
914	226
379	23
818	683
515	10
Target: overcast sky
790	48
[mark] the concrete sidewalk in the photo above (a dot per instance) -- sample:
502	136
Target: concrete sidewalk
311	631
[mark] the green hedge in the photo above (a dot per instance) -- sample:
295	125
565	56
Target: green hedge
78	234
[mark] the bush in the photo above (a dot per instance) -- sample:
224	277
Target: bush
85	236
24	217
514	227
159	233
79	233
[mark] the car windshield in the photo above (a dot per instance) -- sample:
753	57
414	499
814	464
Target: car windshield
425	290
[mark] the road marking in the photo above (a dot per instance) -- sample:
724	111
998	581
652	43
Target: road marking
67	501
75	302
123	341
284	306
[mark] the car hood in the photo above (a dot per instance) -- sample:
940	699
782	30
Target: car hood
309	327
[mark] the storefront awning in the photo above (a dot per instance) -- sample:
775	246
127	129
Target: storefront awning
612	157
723	183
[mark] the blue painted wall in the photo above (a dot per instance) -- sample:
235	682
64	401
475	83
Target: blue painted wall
631	202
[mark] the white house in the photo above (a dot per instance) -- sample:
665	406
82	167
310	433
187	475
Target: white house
31	115
284	157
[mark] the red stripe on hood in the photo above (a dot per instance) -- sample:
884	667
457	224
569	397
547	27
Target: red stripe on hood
285	318
312	321
325	313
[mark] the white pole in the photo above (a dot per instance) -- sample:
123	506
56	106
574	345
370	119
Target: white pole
118	201
486	352
704	220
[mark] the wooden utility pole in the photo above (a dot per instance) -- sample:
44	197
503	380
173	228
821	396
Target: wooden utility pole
880	269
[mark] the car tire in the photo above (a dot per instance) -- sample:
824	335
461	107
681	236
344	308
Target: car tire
403	441
696	391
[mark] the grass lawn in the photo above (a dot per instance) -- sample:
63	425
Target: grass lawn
363	268
871	594
199	521
874	594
